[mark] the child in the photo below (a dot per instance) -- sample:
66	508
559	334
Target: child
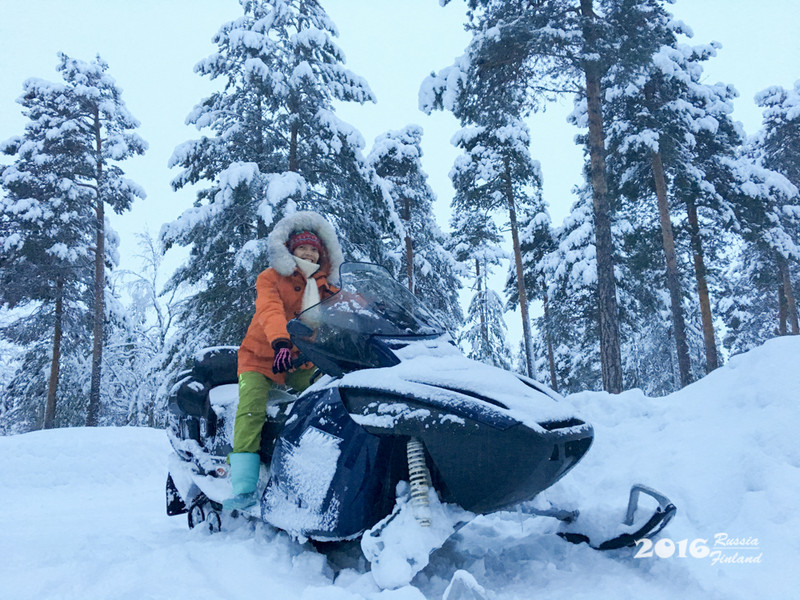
305	256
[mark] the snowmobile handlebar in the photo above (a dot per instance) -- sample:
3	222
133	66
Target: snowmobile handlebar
299	361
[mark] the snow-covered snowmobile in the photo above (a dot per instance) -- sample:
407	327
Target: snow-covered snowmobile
399	430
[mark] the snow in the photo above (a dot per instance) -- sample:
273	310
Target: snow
464	587
403	547
224	400
436	370
282	186
84	511
309	469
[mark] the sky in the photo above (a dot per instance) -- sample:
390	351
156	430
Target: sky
152	46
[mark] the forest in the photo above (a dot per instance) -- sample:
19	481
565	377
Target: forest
681	248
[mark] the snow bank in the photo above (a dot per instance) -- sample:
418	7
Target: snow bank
84	511
725	451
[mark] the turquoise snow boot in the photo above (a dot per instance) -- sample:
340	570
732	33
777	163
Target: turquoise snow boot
244	477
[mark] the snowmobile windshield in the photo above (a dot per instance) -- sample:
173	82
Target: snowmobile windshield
342	333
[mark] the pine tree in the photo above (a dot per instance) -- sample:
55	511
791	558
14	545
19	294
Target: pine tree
755	306
496	171
750	303
571	272
55	225
475	243
777	147
778	143
46	242
654	126
534	48
429	270
275	145
98	128
536	244
647	325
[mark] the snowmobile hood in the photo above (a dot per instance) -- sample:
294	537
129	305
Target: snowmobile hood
435	372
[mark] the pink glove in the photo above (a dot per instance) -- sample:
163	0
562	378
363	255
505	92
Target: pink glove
283	361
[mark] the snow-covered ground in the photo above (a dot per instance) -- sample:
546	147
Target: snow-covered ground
83	511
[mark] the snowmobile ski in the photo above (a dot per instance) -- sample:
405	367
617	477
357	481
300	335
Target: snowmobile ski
661	516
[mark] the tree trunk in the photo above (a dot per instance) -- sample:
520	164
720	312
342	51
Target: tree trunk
610	354
548	334
93	412
782	308
483	310
409	246
294	163
709	338
262	151
673	276
523	296
788	293
52	386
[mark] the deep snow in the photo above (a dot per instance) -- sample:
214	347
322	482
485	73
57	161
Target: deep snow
83	511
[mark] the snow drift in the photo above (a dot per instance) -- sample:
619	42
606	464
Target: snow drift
84	511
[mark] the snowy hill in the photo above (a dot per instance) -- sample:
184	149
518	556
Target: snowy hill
83	511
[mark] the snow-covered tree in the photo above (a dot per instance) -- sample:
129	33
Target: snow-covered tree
647	326
530	49
756	305
10	356
64	175
536	243
136	362
571	273
778	143
272	144
777	147
751	302
45	268
427	267
484	334
496	171
667	133
475	243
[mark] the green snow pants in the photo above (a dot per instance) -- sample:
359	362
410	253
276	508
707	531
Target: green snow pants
251	413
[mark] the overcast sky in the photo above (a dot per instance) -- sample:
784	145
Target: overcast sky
152	45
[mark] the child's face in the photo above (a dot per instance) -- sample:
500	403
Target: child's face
307	252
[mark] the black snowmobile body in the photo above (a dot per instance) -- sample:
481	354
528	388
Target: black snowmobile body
491	439
482	462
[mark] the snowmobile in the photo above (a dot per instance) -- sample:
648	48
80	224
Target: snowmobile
400	430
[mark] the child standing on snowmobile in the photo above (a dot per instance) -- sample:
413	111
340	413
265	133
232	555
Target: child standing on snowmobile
305	256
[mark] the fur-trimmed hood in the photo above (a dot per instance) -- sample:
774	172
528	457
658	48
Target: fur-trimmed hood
281	259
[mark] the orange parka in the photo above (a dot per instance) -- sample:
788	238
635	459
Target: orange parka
279	292
278	300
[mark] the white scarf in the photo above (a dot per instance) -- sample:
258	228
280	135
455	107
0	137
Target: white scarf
311	293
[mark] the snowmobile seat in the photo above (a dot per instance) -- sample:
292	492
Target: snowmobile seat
216	366
188	402
189	397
